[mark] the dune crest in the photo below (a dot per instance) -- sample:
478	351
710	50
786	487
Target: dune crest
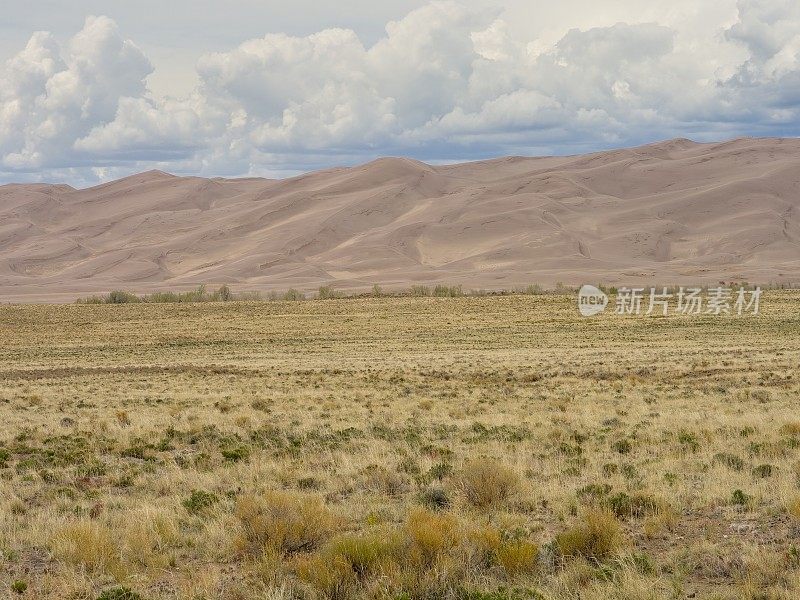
665	213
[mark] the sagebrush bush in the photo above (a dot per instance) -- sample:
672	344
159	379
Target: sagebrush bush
119	593
731	461
121	297
434	498
636	505
740	498
487	483
420	290
285	522
198	501
597	536
293	295
326	292
448	291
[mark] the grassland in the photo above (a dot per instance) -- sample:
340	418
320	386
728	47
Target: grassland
474	448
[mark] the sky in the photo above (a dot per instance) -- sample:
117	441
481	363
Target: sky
92	90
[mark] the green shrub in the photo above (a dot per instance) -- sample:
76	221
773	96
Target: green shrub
440	470
293	295
622	446
19	586
420	290
636	506
198	501
119	593
121	297
763	471
594	491
236	452
688	440
444	291
731	461
326	292
309	483
534	290
739	498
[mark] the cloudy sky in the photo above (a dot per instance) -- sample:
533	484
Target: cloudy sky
92	90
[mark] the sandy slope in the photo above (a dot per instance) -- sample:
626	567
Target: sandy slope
673	212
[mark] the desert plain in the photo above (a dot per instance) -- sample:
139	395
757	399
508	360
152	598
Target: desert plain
481	448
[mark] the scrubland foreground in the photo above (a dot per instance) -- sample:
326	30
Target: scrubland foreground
398	448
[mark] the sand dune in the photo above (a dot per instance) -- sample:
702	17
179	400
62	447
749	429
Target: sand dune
668	213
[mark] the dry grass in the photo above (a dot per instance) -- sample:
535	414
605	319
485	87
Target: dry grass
467	448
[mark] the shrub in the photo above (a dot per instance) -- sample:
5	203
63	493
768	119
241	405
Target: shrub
622	446
19	586
434	498
326	292
739	498
235	452
638	505
376	478
440	470
309	483
420	290
119	593
534	290
792	428
763	471
594	491
285	522
731	461
598	536
487	483
198	501
377	291
293	295
443	291
121	297
688	440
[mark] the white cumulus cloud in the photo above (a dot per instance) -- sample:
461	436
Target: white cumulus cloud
445	82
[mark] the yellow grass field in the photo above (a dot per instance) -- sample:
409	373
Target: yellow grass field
475	448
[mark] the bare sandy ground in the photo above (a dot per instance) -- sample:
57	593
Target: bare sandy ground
675	212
